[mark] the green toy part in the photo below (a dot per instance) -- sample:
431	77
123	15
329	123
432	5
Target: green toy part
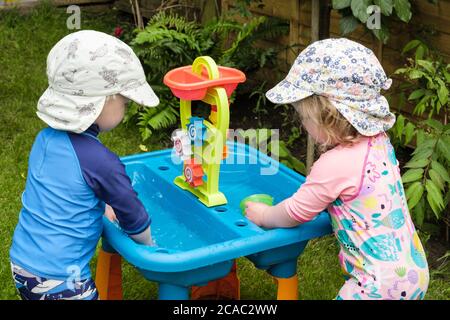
263	198
209	154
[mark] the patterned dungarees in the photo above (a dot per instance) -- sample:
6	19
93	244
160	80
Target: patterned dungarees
381	254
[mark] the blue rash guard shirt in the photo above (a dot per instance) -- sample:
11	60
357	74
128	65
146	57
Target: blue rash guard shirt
70	178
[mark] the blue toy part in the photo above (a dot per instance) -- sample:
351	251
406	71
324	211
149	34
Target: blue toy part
198	244
196	131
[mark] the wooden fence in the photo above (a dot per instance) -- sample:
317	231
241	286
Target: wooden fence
298	13
25	5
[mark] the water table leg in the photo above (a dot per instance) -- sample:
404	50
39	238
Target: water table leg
169	291
108	278
285	275
226	288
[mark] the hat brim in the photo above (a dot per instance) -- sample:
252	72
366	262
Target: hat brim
69	112
367	123
143	95
285	92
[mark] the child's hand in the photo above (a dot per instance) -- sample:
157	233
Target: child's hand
110	214
255	212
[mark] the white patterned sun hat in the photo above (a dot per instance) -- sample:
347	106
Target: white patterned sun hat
348	74
83	68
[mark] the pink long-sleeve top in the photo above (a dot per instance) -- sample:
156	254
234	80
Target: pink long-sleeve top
336	174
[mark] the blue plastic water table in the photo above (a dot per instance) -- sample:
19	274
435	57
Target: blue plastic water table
197	244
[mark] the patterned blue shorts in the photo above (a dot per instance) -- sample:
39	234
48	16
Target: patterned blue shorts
32	287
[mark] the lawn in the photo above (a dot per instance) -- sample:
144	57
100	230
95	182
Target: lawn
24	44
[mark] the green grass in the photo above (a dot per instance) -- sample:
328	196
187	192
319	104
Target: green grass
25	43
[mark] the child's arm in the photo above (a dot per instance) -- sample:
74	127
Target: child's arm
331	177
105	174
144	237
270	216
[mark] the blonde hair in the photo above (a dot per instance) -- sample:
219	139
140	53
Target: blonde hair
333	127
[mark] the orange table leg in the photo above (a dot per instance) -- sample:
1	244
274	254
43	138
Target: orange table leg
287	288
108	277
226	288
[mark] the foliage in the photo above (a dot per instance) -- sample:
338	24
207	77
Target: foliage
169	41
429	76
276	148
427	178
355	12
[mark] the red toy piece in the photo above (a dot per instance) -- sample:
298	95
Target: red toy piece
187	85
193	173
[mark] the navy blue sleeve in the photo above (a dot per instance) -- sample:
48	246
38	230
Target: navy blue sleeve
105	174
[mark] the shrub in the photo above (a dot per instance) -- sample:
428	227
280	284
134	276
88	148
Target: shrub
170	41
427	178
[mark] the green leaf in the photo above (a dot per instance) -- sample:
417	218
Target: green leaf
411	45
429	142
413	194
298	165
341	4
382	33
420	51
400	70
412	175
385	6
440	169
420	163
284	151
399	125
416	94
444	148
443	94
420	137
427	65
422	152
447	76
437	179
403	9
434	198
434	124
409	132
281	152
419	212
415	74
359	9
348	24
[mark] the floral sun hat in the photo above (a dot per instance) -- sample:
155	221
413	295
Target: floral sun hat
348	74
83	68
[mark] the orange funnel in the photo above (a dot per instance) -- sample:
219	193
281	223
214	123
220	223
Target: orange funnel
187	85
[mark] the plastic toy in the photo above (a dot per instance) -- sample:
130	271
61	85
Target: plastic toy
197	244
199	241
207	82
264	198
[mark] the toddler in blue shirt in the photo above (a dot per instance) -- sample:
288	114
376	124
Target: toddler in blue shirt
73	179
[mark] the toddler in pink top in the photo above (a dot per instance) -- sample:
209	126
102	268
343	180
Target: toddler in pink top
335	87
